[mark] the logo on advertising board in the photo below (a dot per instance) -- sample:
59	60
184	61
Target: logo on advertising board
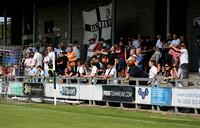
68	91
118	93
143	94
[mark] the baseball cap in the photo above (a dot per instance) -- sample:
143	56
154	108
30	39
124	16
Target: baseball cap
183	44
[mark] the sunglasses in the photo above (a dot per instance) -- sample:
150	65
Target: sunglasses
166	66
174	66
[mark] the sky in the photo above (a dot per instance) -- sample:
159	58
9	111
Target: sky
2	19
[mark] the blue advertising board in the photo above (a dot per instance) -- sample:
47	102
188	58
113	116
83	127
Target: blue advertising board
161	96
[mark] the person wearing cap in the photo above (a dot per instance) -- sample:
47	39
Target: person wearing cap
76	49
184	62
90	51
37	58
111	72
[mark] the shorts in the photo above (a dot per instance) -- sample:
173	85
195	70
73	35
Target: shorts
185	68
155	57
121	63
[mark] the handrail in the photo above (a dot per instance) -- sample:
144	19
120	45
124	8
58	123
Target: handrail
93	80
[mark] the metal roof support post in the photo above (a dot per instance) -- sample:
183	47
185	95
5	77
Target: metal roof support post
168	18
113	21
34	25
70	21
5	27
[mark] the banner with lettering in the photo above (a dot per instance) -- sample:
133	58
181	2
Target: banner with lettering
97	23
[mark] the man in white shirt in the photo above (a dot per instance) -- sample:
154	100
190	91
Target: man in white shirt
46	62
50	53
175	42
37	58
94	71
184	62
58	50
111	72
90	52
152	72
76	49
135	41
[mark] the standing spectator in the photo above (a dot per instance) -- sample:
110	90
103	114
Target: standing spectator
59	49
156	55
120	56
152	72
166	57
101	53
30	47
41	49
50	53
69	45
175	42
76	49
170	38
28	60
90	51
147	50
128	49
184	62
71	57
62	63
37	58
112	56
102	41
46	62
140	58
135	41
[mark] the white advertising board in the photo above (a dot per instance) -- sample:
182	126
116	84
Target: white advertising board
143	95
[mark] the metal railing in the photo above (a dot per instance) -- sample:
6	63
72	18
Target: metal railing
122	81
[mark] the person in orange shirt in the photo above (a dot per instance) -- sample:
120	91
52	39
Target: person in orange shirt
71	57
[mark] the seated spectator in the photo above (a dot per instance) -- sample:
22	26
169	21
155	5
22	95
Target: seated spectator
111	72
70	71
90	52
33	71
104	62
94	71
153	71
82	71
178	74
98	64
140	58
136	72
169	74
40	70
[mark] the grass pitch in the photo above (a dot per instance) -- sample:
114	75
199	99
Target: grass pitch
65	116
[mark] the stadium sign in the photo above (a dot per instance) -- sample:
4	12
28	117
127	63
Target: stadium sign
2	87
118	93
68	91
143	95
161	96
186	97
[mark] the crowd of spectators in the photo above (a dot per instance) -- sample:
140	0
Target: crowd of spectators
131	57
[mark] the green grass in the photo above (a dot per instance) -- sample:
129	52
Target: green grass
64	116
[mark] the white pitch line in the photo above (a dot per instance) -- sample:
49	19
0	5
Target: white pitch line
108	117
157	117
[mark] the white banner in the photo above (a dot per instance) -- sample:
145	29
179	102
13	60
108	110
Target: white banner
97	23
2	88
186	97
143	95
97	92
48	90
71	91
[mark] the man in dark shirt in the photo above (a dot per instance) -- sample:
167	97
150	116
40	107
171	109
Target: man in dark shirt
62	63
136	72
